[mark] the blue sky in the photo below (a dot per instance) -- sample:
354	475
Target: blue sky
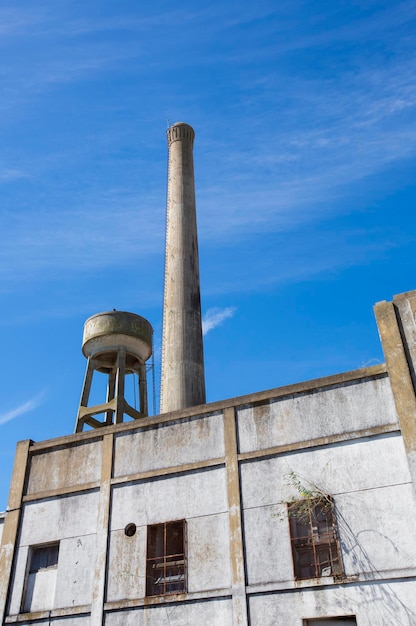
305	153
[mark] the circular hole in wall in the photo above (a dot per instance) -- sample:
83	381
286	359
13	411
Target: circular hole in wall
130	530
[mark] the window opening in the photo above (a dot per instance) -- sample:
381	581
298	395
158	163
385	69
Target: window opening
41	578
166	561
44	557
314	541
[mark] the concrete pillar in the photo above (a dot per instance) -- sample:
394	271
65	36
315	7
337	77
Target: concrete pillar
183	380
103	523
397	327
239	600
12	521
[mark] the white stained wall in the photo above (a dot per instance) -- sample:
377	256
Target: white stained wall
363	477
317	413
213	612
375	604
71	521
200	498
169	444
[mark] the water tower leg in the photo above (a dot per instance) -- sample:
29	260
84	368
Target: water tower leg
143	408
120	377
85	393
111	387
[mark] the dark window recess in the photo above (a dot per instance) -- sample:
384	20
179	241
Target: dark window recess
44	557
166	562
313	535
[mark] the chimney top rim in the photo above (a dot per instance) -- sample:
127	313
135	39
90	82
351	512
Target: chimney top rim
180	124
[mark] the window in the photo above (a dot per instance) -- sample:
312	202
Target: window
313	535
41	578
165	563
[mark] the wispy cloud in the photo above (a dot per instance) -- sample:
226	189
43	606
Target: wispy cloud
46	244
215	317
26	407
7	175
319	133
15	22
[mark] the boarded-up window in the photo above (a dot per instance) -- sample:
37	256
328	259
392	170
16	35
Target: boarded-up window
313	534
41	578
166	559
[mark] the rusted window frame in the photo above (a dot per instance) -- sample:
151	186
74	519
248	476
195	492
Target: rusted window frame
165	559
303	513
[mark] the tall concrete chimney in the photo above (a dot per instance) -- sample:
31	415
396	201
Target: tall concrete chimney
183	380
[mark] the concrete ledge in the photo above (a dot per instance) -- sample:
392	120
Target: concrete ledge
63	491
213	594
320	441
43	615
293	586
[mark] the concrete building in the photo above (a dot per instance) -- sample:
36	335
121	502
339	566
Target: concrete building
289	507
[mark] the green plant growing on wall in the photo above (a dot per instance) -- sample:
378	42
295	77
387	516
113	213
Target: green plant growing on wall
307	497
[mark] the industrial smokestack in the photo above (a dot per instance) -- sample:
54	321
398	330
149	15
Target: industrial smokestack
183	380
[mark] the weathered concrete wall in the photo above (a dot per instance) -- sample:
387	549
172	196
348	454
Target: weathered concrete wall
316	413
340	434
71	521
169	445
201	499
67	466
214	612
375	604
375	507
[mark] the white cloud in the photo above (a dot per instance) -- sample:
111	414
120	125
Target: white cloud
215	317
30	405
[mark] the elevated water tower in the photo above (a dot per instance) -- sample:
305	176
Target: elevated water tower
116	344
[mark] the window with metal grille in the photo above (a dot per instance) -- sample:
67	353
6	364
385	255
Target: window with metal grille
166	559
313	535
